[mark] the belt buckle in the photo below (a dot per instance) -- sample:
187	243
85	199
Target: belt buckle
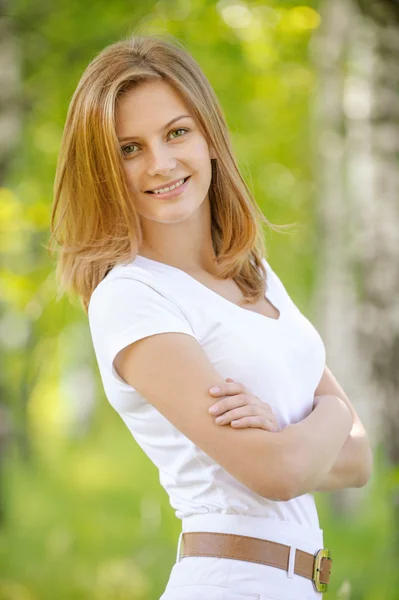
322	554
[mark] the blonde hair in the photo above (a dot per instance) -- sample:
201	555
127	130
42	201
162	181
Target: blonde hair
94	219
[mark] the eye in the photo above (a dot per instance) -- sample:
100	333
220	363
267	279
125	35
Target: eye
180	129
172	132
128	146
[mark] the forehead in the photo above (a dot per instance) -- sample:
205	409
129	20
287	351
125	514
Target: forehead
149	106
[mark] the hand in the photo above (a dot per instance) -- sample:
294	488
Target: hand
240	408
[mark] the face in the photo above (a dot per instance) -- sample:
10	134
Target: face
158	152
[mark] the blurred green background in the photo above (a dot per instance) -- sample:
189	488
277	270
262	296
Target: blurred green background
83	515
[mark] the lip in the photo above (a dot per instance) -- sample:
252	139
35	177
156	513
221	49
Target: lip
176	192
159	187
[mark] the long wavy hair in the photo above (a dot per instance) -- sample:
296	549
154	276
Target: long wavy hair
94	222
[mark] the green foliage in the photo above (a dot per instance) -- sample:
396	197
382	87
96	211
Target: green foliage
88	521
86	516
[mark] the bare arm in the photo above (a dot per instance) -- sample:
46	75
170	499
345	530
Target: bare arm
173	373
354	463
236	402
348	470
315	442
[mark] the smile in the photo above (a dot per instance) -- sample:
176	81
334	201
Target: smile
173	190
168	189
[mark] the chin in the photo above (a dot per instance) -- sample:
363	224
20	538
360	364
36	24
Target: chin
173	216
175	212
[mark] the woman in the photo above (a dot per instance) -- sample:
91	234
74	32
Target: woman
161	239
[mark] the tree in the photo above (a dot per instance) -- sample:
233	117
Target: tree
356	51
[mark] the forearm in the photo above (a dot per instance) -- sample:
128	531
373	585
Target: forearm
353	466
315	442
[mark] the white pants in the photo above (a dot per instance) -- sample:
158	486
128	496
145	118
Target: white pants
212	578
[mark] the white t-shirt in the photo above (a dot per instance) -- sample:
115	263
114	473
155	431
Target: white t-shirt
280	360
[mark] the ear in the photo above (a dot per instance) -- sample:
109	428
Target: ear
212	153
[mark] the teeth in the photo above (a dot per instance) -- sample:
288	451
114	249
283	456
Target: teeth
168	189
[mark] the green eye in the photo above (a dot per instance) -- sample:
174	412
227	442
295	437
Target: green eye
180	129
172	132
128	146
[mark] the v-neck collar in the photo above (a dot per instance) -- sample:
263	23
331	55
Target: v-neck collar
222	298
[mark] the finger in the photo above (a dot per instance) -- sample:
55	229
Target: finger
270	414
255	422
237	413
268	409
229	403
228	389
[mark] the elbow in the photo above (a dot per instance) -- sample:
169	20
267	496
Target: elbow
278	492
295	481
366	470
292	488
363	481
285	485
363	478
288	492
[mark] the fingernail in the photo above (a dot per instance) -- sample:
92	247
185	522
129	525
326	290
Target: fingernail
213	409
214	390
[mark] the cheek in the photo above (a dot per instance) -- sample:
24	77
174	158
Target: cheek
131	175
199	163
199	150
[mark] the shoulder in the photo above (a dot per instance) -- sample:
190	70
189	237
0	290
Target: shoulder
132	297
130	304
124	284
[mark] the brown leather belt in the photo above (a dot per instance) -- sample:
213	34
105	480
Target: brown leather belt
316	567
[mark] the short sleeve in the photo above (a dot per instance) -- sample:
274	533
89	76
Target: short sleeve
124	310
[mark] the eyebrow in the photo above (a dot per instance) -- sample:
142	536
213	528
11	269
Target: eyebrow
129	137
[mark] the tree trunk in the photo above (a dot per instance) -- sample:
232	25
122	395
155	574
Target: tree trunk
356	142
379	254
10	127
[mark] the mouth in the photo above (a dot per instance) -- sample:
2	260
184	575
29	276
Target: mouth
171	191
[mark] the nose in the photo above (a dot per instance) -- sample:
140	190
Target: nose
160	161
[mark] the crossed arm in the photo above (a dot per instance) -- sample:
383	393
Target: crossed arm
353	466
